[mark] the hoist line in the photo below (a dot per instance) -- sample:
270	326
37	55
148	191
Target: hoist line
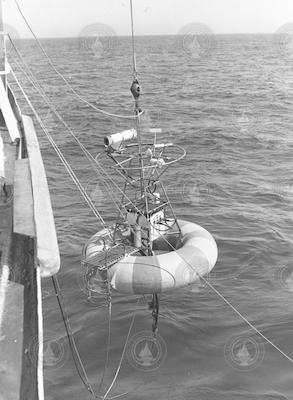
76	94
133	43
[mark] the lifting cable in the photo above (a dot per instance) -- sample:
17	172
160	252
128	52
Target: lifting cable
133	44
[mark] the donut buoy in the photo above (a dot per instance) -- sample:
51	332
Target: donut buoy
167	269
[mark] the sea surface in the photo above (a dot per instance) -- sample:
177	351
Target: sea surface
228	100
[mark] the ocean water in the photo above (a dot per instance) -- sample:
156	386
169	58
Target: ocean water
228	100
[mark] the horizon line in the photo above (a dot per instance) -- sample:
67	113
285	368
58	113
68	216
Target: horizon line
147	35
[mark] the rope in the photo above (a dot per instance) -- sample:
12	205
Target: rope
247	321
73	348
106	185
76	94
122	355
133	44
231	306
75	354
108	347
38	87
85	151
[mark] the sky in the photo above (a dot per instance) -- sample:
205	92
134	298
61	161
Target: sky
68	18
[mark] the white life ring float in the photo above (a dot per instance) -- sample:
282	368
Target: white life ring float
134	274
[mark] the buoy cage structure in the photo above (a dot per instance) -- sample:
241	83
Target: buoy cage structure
147	250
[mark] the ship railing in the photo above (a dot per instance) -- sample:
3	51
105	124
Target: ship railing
33	214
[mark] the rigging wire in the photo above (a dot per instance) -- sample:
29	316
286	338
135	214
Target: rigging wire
85	151
88	155
62	158
38	87
76	94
